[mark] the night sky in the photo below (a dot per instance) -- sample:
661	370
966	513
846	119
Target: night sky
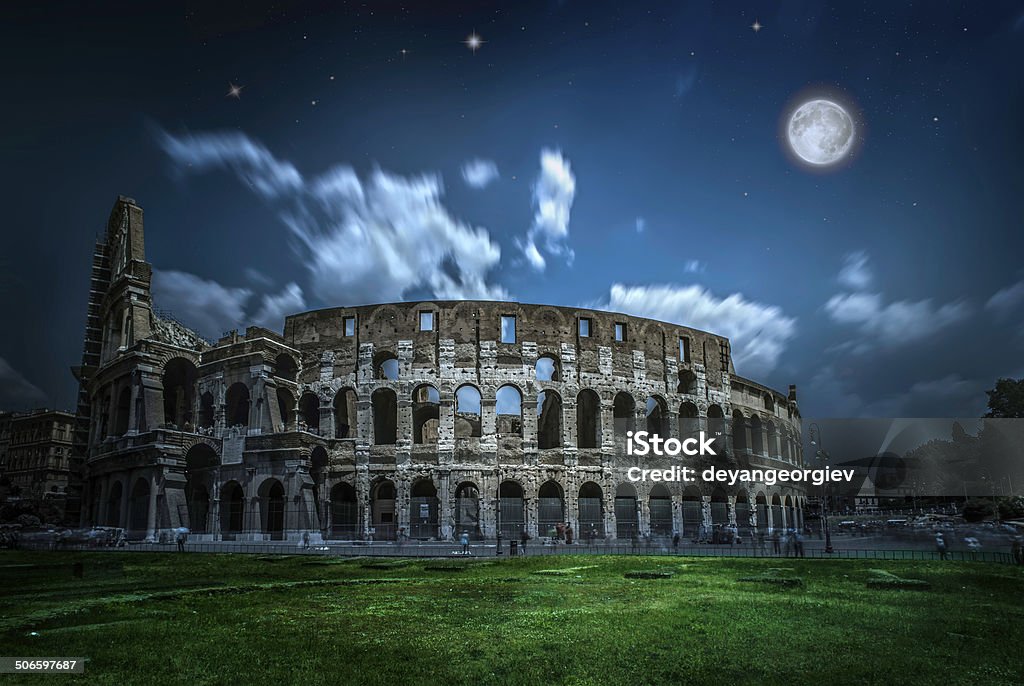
629	156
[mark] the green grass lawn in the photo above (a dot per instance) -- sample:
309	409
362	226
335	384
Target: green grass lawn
239	619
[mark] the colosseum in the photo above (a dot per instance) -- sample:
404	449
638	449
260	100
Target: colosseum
415	419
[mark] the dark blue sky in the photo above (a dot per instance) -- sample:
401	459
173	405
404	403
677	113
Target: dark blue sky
627	155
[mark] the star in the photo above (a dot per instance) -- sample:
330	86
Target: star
234	91
757	26
474	41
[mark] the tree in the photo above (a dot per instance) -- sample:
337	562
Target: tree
1006	400
978	510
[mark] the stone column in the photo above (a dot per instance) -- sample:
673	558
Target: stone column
730	504
154	485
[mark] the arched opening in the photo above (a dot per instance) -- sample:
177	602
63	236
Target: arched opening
138	507
773	440
547	368
285	367
660	503
385	416
286	408
513	514
591	509
206	412
232	509
344	512
424	511
236	403
114	504
318	473
624	418
627	520
345	417
382	507
769	402
124	406
693	515
509	408
309	412
743	514
739	433
199	460
549	420
588	420
385	366
689	421
687	382
657	416
467	412
550	509
778	521
761	504
179	383
716	427
790	512
756	438
426	414
719	508
467	510
271	494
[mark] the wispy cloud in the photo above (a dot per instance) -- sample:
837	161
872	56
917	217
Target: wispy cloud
553	195
855	273
478	173
892	323
1004	301
17	392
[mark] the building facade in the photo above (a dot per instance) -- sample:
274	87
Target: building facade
411	419
36	454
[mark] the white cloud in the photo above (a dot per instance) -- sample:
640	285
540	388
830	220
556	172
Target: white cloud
478	173
17	392
694	267
1005	300
895	323
855	273
758	333
274	308
362	240
641	224
203	305
553	195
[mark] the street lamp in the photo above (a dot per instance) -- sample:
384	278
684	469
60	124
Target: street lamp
821	454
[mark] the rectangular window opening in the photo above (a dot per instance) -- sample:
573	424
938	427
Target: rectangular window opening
584	328
350	326
620	331
426	321
684	349
508	328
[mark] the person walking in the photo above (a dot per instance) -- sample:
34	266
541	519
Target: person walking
568	534
940	545
675	540
180	538
776	542
523	538
464	540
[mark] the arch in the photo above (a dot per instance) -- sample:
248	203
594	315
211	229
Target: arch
513	511
772	449
236	402
385	416
509	408
627	518
549	420
199	460
588	420
660	504
285	367
743	513
346	413
179	382
286	408
761	507
467	412
114	504
271	494
687	382
309	411
778	520
467	510
550	508
385	366
591	511
624	415
739	433
138	507
124	408
716	423
769	402
689	420
344	512
657	416
756	437
206	411
232	509
548	368
693	512
426	414
318	461
382	510
719	507
424	510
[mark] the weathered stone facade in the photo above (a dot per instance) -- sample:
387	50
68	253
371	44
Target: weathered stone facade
427	419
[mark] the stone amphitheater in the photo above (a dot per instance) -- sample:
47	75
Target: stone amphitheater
418	420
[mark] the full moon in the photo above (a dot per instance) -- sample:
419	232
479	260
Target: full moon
820	132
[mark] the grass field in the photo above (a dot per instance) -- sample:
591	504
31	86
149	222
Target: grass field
220	619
